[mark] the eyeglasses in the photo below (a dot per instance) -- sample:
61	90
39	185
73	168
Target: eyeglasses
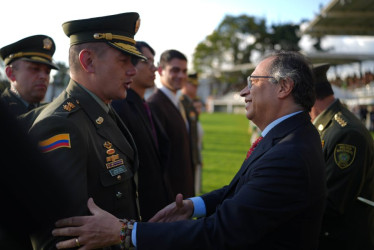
249	79
149	62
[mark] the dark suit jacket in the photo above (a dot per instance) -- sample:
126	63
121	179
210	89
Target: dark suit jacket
275	201
154	187
348	150
99	159
179	169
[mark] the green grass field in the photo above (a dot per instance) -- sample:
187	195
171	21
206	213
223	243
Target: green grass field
225	144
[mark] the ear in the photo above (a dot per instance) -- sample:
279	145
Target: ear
86	60
10	73
285	87
159	70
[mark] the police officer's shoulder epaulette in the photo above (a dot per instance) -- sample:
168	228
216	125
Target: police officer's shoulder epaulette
70	105
339	118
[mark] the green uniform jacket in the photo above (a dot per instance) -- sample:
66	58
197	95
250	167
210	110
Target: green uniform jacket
348	151
94	156
14	103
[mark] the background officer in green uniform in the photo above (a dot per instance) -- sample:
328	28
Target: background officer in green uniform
348	151
79	133
188	94
28	65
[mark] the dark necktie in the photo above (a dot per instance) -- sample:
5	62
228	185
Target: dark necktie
148	111
254	145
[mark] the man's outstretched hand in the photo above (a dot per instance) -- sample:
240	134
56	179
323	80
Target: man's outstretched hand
178	210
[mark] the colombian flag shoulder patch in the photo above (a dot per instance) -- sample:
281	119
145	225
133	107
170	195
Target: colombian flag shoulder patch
55	142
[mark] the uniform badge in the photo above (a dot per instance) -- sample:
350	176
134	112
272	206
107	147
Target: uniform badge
344	155
112	158
68	106
107	145
99	120
114	164
55	142
192	115
339	119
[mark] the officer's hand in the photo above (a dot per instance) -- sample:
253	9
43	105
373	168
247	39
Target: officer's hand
99	230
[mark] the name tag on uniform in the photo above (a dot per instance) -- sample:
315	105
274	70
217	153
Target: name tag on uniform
118	170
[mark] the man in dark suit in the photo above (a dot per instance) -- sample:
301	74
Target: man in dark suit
81	136
166	106
348	222
275	201
149	136
28	65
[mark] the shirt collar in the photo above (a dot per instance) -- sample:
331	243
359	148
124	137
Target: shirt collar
97	99
276	122
170	94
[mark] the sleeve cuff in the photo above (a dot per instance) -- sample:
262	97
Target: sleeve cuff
199	207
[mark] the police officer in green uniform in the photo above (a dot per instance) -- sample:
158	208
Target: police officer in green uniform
188	93
348	151
28	65
79	133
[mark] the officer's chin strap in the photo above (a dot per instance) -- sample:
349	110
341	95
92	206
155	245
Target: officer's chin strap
366	201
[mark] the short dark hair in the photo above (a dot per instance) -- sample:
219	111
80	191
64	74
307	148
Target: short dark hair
169	55
141	44
293	65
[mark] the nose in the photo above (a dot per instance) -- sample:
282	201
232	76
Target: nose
132	71
245	91
153	68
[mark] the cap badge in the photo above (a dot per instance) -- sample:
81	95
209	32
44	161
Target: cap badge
47	44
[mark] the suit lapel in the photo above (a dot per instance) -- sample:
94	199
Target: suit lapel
136	102
271	139
167	101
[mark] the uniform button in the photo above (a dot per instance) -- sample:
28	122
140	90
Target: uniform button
326	233
119	177
118	194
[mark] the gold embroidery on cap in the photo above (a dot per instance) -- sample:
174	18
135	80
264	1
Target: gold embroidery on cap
110	37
